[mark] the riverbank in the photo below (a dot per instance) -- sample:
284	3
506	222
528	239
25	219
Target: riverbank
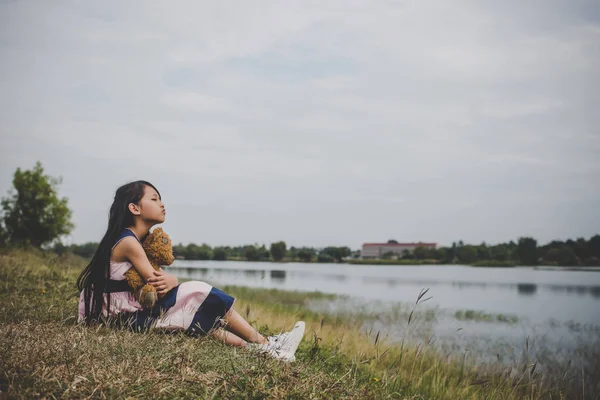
43	353
374	262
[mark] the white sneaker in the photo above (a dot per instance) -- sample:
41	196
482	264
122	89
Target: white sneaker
279	340
289	341
273	350
283	346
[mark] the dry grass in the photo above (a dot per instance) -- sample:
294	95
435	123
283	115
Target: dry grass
44	353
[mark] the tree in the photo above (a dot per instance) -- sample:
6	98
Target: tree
306	254
498	252
594	246
483	252
219	254
85	250
527	251
562	256
421	252
34	215
467	254
336	253
204	252
324	257
263	253
292	253
278	250
251	253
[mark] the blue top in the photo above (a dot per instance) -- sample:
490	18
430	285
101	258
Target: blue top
126	232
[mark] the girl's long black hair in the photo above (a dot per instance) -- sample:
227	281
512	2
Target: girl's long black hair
97	272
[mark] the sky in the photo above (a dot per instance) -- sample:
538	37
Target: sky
316	122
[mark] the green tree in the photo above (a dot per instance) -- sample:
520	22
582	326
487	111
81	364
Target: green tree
421	252
34	215
191	251
483	252
594	246
527	251
324	257
263	253
467	254
251	253
305	254
204	252
85	250
499	252
336	253
219	254
278	250
292	253
387	255
562	256
581	249
439	254
179	250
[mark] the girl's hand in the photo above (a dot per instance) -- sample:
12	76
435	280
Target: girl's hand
163	282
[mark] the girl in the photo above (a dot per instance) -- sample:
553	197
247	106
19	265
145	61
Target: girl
196	307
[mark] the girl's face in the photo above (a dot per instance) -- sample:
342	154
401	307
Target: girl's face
151	206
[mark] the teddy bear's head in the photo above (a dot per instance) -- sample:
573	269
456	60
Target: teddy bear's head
158	247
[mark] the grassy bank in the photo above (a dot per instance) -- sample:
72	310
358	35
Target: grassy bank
44	353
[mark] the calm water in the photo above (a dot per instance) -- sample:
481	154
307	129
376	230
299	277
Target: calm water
538	295
559	311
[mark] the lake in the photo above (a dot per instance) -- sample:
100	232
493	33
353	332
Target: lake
489	311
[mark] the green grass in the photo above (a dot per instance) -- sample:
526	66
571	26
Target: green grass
484	317
45	354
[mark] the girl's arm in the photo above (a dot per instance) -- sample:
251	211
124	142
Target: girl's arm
162	281
134	252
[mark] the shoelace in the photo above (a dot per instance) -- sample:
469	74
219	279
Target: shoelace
278	341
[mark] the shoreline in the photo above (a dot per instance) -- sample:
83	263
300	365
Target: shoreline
414	263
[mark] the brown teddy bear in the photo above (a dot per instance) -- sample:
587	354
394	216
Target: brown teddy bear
159	251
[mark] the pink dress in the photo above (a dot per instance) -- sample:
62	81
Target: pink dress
193	306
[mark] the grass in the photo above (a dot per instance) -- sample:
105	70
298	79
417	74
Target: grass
484	317
45	354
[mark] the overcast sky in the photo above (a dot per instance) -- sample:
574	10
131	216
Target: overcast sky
314	122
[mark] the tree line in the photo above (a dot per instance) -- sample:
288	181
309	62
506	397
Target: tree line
34	215
525	251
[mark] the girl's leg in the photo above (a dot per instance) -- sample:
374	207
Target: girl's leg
228	338
238	325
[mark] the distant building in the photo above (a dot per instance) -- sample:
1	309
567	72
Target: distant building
377	250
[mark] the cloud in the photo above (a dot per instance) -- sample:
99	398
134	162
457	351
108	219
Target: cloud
315	123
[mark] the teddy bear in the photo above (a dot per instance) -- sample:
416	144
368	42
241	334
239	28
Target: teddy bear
159	251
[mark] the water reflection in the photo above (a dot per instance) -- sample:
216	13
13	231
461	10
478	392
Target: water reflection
336	277
527	289
278	276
